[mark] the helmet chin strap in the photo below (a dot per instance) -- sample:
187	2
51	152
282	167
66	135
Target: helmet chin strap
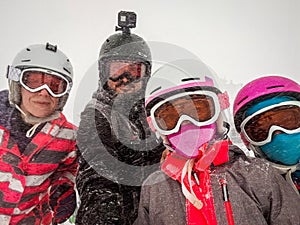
224	134
36	121
287	172
190	195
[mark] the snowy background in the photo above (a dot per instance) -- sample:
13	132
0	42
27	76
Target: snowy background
239	39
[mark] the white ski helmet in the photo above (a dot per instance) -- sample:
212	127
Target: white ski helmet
38	56
179	77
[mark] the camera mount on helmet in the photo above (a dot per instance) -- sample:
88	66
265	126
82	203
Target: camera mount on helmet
126	21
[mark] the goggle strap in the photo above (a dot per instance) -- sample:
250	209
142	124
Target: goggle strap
224	100
149	120
13	73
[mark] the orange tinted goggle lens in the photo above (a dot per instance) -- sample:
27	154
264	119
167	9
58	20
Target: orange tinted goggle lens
287	116
198	107
36	79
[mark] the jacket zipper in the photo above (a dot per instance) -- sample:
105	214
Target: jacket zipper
227	203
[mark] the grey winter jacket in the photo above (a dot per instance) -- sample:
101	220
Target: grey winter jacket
119	152
258	195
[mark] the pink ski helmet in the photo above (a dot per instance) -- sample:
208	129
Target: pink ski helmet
261	89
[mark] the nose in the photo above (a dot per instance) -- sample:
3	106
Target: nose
277	132
125	80
44	92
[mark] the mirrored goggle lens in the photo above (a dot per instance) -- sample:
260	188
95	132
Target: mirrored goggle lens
35	80
285	116
123	69
200	108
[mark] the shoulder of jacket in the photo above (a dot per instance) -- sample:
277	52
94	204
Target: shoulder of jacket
62	128
248	163
4	98
95	109
155	178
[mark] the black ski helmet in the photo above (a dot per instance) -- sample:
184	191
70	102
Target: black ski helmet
123	46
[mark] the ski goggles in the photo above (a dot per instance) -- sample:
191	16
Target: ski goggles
259	127
36	79
119	70
199	107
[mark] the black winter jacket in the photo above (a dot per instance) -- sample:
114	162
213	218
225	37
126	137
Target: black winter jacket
118	152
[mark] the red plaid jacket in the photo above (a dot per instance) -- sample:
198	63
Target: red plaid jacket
37	187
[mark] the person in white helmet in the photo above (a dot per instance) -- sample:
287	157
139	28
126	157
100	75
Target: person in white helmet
38	159
204	179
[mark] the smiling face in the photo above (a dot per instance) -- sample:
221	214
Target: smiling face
39	104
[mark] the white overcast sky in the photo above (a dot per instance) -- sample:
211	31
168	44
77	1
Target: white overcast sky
239	39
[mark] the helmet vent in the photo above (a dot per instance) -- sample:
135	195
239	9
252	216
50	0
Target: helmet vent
243	100
28	49
156	89
67	70
188	79
277	86
25	60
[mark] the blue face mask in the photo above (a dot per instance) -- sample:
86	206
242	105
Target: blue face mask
284	149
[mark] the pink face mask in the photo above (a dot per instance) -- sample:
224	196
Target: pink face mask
190	138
